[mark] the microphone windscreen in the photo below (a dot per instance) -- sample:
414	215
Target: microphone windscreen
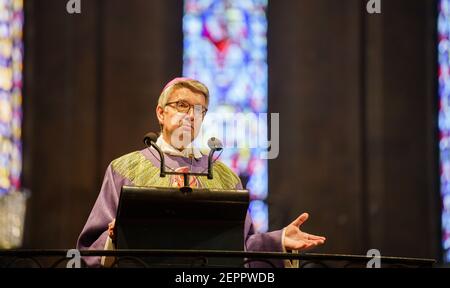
215	144
150	136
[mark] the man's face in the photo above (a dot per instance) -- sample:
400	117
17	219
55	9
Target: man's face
180	127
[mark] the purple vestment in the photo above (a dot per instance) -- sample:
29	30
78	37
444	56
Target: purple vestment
95	232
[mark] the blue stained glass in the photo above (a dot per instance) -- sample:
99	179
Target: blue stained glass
11	54
443	48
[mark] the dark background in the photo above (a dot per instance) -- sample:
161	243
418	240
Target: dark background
356	95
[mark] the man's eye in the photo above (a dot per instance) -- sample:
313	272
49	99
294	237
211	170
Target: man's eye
183	104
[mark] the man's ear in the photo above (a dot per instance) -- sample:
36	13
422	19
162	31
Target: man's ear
160	114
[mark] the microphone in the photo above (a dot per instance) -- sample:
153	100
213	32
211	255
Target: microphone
150	136
215	145
150	140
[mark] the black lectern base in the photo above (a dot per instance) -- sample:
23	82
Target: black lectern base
168	219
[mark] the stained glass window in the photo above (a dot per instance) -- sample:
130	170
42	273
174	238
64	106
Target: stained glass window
444	119
11	55
225	47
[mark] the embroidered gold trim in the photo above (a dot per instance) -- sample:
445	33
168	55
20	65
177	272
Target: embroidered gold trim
141	172
224	178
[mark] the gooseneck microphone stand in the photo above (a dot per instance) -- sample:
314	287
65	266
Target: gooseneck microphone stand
213	143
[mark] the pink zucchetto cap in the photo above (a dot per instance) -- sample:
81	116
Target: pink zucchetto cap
176	80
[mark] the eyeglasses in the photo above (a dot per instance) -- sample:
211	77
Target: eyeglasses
184	107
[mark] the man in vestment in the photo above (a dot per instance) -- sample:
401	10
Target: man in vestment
180	110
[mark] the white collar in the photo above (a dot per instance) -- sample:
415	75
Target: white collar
188	152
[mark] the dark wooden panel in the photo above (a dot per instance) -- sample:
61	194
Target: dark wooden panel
356	96
402	152
60	123
314	75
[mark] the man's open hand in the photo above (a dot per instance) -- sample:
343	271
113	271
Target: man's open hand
295	239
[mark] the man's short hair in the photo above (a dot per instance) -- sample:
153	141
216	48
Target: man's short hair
191	84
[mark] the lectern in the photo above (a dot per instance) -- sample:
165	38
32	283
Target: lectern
167	218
